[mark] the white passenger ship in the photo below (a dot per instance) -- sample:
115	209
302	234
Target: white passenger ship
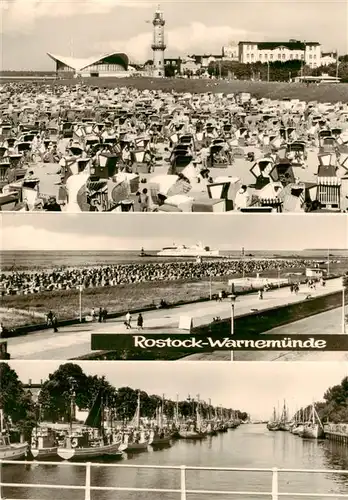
184	251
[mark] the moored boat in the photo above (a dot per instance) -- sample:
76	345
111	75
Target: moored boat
8	450
44	444
134	438
92	440
313	428
160	434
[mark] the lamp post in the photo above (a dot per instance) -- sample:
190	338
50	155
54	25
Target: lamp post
344	288
233	301
80	302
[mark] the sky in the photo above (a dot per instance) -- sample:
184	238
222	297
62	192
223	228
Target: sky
83	28
57	231
252	387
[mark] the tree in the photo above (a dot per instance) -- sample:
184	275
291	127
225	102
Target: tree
15	401
55	397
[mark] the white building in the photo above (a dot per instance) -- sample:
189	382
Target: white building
189	64
328	58
308	52
231	52
114	64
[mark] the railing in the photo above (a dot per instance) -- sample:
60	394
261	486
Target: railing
274	494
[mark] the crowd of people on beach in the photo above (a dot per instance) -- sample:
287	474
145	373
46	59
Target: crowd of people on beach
27	282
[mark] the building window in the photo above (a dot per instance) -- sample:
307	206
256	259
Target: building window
283	56
266	56
279	56
271	56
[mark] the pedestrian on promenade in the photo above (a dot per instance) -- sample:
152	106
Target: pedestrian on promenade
54	323
140	322
128	320
105	315
100	315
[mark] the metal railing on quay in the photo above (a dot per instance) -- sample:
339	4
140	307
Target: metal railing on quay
183	491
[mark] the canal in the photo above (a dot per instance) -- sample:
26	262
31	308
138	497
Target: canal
249	446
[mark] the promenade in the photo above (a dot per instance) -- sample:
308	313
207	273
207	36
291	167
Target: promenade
74	340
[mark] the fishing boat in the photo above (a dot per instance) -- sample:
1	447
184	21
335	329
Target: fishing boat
8	450
91	441
313	428
274	424
134	438
234	421
193	428
44	444
297	428
160	434
188	251
284	424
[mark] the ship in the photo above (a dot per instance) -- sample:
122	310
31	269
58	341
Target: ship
135	438
8	450
91	441
160	434
44	444
197	250
313	428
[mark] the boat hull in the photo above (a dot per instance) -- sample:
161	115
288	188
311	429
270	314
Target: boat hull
188	254
14	451
133	446
312	432
191	435
91	452
45	453
298	431
158	441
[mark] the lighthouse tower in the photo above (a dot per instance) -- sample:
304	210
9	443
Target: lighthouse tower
158	46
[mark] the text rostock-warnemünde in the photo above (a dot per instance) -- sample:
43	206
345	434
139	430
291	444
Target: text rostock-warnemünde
195	343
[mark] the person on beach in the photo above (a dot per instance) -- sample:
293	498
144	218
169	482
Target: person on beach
140	322
242	199
144	200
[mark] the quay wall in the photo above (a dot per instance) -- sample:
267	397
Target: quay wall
261	321
337	432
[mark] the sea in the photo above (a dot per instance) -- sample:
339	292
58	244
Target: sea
249	446
17	260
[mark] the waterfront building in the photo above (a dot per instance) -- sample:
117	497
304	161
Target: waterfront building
264	52
114	64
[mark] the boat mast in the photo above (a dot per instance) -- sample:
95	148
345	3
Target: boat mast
177	410
137	421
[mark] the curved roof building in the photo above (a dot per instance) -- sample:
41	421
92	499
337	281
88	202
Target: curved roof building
113	64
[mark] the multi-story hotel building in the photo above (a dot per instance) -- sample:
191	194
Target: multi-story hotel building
308	52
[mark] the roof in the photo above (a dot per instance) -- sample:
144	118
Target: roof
79	64
292	45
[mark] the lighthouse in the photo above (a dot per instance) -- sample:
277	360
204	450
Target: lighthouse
158	46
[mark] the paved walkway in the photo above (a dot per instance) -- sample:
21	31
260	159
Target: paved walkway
73	341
